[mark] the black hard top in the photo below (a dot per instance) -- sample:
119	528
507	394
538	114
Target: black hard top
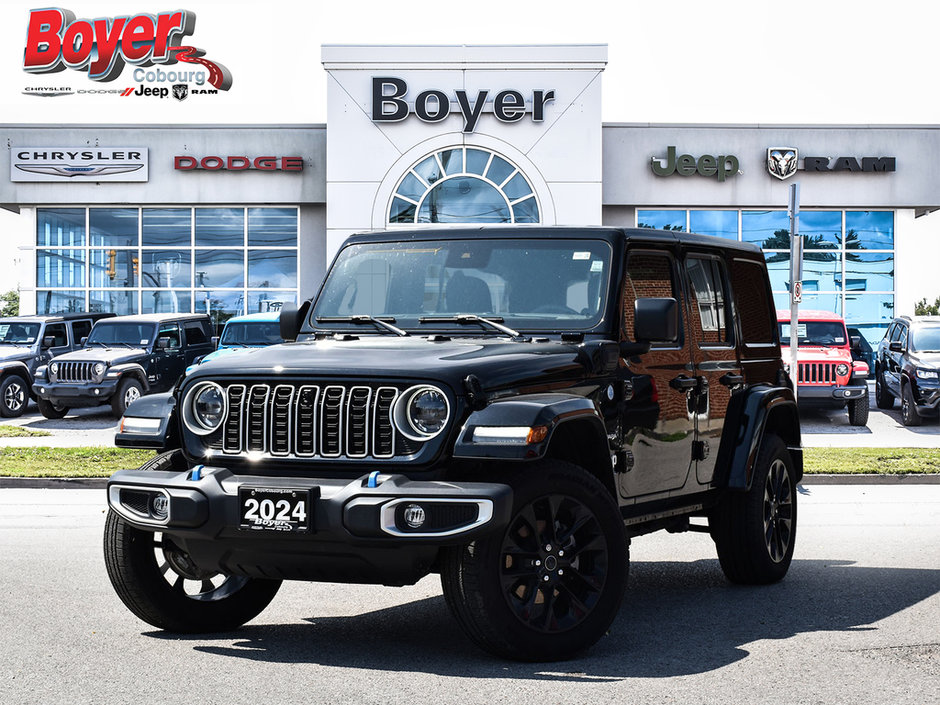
542	232
53	318
161	317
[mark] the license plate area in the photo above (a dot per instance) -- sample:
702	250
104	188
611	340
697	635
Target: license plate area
287	510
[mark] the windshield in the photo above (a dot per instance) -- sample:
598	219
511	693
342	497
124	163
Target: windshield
138	335
257	333
527	284
831	333
925	339
18	333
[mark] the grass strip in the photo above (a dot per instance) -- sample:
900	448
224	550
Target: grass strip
10	431
871	461
69	462
101	462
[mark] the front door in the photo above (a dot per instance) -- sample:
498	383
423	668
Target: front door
658	419
170	360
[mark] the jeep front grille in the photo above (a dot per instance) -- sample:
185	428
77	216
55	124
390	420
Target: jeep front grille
311	421
75	372
817	373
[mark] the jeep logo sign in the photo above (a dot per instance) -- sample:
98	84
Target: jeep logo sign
389	104
722	166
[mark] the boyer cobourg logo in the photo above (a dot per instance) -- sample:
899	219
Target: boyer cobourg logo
101	47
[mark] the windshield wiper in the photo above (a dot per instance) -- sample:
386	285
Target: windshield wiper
494	322
385	322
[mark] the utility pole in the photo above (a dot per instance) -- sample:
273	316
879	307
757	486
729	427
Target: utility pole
796	281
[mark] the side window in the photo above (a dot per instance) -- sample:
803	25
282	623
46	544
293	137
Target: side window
890	332
81	329
896	334
195	334
903	336
57	331
170	331
649	275
752	302
708	299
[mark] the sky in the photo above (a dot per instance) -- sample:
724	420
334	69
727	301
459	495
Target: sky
739	61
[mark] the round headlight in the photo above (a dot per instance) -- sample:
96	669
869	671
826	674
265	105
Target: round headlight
204	410
421	413
842	369
100	367
54	368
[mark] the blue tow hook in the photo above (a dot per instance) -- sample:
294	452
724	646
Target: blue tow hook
373	479
196	474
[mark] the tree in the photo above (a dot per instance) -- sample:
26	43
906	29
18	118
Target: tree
10	303
922	308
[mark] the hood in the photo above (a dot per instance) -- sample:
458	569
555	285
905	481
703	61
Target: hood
112	356
16	352
818	353
497	362
926	359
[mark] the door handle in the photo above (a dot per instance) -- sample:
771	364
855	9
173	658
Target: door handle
731	380
683	383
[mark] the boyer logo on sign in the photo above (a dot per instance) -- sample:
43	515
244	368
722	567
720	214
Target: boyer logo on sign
55	40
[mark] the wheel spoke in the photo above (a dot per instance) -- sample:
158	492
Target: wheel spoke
206	586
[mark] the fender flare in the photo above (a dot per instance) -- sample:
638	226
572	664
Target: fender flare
534	411
17	367
153	406
752	413
133	368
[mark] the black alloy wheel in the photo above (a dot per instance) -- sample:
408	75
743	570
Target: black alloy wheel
14	396
779	512
884	399
909	415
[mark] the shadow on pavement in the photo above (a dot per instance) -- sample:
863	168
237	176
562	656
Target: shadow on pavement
677	619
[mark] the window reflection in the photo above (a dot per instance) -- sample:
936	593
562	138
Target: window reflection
165	268
272	268
60	301
715	223
820	229
112	227
60	268
464	200
123	303
167	227
661	220
220	268
869	230
272	227
220	227
769	229
60	227
165	301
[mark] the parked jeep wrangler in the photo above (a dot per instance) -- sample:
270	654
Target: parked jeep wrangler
828	375
506	407
26	342
123	358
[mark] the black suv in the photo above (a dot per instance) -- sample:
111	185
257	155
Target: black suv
908	367
122	359
26	342
507	407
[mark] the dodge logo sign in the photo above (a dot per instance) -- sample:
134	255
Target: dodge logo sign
782	161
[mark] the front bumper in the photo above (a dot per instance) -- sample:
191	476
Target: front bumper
73	395
927	399
356	532
838	395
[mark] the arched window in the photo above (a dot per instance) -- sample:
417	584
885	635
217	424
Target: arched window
464	185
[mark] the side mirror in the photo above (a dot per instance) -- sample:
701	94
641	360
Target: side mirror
163	343
292	320
895	346
656	320
48	341
83	340
856	341
215	342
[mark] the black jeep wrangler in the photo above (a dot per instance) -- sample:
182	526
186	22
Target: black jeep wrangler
122	359
506	407
26	343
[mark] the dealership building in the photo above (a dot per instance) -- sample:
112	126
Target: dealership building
232	219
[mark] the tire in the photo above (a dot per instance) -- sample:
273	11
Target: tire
858	410
884	399
14	396
159	583
50	410
909	415
566	534
128	391
755	531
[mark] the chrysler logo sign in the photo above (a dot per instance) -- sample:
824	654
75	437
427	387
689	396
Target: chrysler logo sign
78	164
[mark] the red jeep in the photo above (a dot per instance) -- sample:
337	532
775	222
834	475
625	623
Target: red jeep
828	376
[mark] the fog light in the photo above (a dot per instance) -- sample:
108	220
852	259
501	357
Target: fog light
847	393
160	507
414	516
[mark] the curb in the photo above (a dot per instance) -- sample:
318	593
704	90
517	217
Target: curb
100	483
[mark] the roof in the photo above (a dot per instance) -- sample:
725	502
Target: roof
39	318
810	315
542	232
266	317
158	317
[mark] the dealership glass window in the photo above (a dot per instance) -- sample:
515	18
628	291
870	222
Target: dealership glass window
158	270
60	227
869	308
768	229
269	300
463	185
869	230
220	305
822	302
821	230
112	227
662	220
167	227
717	223
869	271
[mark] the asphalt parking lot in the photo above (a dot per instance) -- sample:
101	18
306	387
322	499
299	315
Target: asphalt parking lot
821	428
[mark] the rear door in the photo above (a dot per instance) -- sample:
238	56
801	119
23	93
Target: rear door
171	363
714	355
658	418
